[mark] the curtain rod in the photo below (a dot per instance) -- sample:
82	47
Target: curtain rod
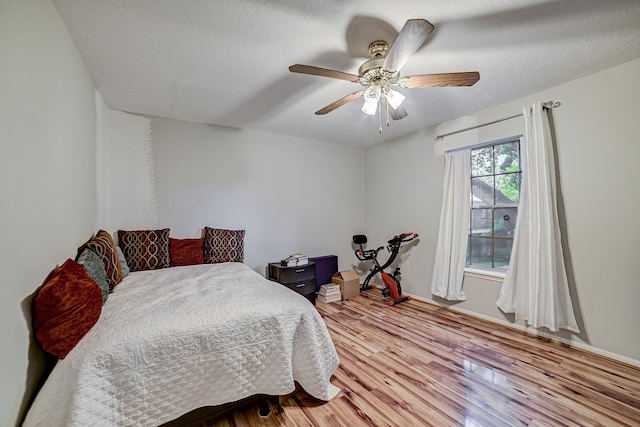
547	105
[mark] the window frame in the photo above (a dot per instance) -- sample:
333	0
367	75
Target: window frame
491	273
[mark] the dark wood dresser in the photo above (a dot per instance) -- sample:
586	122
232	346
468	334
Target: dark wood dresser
301	279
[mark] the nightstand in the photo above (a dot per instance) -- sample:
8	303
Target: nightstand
301	279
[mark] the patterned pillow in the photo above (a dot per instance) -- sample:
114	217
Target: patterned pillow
102	244
185	251
223	245
145	249
92	263
65	308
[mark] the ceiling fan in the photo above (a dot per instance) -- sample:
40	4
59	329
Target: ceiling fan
382	72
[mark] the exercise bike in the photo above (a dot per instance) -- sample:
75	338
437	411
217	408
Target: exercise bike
391	282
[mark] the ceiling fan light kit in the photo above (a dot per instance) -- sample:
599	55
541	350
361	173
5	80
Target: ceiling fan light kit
395	98
380	73
372	96
370	107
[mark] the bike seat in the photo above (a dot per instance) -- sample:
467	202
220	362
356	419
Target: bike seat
359	239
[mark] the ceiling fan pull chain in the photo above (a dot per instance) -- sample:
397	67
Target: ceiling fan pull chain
379	120
388	122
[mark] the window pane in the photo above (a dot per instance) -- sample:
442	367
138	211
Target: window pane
480	251
495	194
481	222
482	191
502	252
508	188
482	161
504	223
507	157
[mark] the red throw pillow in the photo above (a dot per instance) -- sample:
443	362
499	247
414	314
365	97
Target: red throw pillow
185	251
66	308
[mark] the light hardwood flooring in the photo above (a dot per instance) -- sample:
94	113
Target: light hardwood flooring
418	364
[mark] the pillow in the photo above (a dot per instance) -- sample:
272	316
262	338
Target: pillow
92	263
185	252
65	308
123	262
102	244
145	249
223	245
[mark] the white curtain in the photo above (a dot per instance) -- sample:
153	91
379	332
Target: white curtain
448	271
535	287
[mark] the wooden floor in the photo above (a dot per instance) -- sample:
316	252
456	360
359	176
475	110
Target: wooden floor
417	364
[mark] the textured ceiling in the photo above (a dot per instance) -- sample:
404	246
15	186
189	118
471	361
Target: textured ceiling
225	62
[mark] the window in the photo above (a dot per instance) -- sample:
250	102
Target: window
495	193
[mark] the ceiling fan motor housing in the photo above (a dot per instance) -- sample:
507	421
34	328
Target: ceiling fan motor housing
372	74
378	48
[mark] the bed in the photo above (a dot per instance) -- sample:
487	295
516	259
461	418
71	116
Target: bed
173	340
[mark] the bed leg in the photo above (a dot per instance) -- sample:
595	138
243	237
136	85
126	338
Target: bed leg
265	409
278	401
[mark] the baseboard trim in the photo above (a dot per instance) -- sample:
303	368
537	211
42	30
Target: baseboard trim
582	346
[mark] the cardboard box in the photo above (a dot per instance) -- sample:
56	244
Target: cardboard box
349	282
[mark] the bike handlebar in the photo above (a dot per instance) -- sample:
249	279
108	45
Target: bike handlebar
395	242
403	238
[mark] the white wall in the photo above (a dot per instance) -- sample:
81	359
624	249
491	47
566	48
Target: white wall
124	162
598	154
403	186
290	194
47	175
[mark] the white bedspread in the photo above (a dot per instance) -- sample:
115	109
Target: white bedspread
173	340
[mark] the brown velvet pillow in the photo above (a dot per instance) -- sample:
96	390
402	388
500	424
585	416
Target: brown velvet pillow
223	245
66	308
145	249
103	245
185	252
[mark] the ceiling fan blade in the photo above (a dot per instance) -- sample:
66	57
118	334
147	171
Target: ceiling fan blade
324	72
340	102
409	40
440	80
396	114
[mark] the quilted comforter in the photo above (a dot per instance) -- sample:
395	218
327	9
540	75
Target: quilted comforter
173	340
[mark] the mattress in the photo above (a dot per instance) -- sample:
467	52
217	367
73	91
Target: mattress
172	340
